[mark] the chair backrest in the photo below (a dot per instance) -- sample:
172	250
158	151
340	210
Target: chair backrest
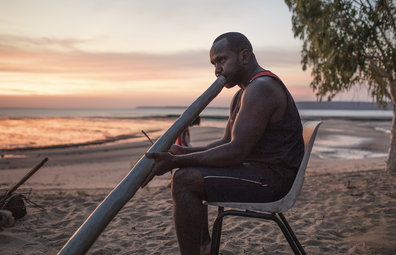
310	129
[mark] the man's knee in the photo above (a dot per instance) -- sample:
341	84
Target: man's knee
187	179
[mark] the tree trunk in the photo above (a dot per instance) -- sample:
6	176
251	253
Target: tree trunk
391	162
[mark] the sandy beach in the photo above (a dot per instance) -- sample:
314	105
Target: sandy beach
347	206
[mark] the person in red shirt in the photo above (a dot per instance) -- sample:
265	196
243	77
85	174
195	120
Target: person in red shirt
184	138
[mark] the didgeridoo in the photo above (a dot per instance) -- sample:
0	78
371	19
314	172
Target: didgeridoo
85	236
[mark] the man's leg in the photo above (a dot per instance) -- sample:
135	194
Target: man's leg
190	215
205	236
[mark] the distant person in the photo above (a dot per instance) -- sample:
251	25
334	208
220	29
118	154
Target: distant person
184	138
256	160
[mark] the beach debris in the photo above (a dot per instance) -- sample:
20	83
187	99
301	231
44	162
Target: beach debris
26	177
6	219
15	202
350	186
82	193
357	194
147	137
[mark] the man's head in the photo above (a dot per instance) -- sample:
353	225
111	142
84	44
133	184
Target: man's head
232	56
237	41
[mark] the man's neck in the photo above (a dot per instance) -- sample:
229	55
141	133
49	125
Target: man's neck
255	70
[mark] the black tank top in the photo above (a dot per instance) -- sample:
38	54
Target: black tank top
282	144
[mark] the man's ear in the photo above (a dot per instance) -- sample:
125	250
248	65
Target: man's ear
245	56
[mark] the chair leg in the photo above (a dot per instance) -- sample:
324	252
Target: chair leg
216	232
283	225
282	217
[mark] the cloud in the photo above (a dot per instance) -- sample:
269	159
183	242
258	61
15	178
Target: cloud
62	56
15	91
278	57
23	42
57	70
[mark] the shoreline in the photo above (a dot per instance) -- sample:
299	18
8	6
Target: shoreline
105	165
136	136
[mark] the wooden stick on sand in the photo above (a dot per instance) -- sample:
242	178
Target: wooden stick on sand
86	235
25	178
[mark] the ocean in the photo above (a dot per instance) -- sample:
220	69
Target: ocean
30	128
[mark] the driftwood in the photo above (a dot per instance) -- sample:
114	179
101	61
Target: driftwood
25	178
85	236
15	202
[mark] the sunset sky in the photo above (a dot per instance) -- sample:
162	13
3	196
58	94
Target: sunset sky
122	54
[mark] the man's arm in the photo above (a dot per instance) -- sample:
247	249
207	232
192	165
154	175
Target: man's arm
262	102
181	150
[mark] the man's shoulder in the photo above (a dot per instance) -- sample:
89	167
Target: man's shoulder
266	85
266	91
266	79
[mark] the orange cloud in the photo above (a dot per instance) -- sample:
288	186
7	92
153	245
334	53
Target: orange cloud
23	55
56	72
62	56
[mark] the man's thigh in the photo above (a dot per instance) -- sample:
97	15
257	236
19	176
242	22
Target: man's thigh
244	183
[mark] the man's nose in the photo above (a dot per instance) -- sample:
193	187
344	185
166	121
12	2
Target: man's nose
218	70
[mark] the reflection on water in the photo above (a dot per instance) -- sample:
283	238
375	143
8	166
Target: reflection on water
12	156
52	131
48	131
385	130
342	147
23	132
350	114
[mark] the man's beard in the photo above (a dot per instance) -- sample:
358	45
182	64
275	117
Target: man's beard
235	79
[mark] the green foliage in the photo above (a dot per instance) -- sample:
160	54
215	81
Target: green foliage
82	193
348	43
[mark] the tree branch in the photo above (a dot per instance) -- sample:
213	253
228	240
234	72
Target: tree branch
376	21
376	39
392	20
383	73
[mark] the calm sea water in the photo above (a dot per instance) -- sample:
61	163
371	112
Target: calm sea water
140	112
32	128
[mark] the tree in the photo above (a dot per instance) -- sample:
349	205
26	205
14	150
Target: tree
349	43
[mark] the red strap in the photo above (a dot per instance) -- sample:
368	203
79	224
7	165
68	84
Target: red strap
264	73
179	141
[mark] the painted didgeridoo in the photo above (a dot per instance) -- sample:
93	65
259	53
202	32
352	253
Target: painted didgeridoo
85	236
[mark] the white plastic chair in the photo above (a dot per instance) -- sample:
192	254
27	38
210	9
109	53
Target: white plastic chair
272	209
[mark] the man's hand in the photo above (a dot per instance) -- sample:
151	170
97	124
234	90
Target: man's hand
163	164
178	150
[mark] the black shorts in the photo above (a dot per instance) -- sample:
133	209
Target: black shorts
254	183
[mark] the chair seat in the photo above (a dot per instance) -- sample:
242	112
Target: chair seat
279	206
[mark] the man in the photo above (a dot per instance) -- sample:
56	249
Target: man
255	161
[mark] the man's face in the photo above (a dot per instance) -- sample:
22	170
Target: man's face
226	62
